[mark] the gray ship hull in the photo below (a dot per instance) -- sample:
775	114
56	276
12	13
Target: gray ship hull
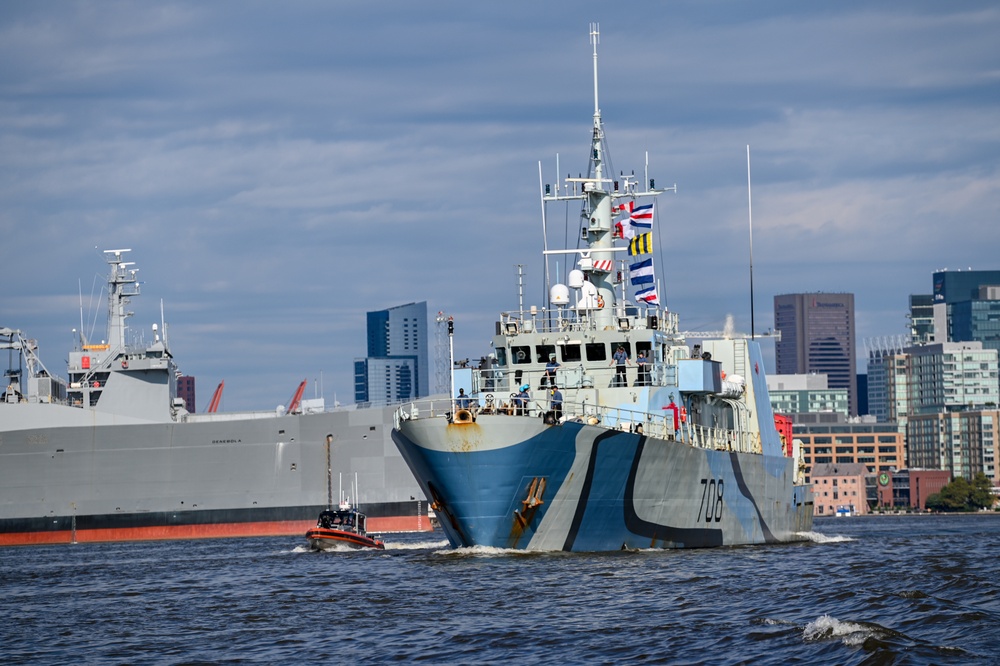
204	476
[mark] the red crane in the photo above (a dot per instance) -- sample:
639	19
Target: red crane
213	406
293	406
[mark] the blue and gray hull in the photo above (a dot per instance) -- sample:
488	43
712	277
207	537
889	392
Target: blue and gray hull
516	482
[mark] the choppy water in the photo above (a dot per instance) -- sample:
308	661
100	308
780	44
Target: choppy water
892	590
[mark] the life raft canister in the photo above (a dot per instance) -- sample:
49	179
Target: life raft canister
684	414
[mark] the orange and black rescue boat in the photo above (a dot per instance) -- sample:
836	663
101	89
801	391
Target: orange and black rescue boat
341	527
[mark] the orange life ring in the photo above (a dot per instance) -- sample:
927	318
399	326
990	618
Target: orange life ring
124	364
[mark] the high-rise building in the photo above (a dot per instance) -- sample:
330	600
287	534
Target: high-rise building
951	376
396	368
185	390
964	307
887	380
921	319
817	336
964	443
793	395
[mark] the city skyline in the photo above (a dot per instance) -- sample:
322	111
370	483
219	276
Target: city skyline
280	171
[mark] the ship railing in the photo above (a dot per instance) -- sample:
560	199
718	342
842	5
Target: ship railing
571	320
661	426
502	380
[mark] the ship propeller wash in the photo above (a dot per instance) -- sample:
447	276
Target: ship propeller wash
595	426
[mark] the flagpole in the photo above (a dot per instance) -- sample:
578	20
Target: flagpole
750	214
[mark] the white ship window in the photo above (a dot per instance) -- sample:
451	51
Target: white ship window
521	354
597	351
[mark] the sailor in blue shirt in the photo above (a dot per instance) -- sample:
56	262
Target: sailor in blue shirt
550	371
521	401
620	360
462	400
556	402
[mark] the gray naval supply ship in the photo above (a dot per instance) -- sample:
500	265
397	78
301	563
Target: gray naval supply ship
680	451
112	453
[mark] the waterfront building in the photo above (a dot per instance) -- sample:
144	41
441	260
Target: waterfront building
910	488
880	447
817	336
840	489
396	368
962	442
800	394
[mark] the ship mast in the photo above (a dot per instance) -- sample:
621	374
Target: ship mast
598	194
122	284
599	236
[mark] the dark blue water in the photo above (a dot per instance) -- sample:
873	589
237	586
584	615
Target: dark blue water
892	590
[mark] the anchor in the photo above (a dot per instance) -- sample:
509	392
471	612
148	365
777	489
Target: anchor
530	504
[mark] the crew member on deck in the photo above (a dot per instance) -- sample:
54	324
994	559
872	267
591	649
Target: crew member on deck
643	364
549	378
556	402
462	400
521	401
620	360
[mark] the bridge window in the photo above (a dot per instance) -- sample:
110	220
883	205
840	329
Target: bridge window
543	352
570	353
596	351
520	354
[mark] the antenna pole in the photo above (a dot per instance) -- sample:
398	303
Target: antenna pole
595	39
545	237
750	213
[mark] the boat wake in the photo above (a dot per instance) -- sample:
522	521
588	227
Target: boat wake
818	537
332	548
417	545
486	551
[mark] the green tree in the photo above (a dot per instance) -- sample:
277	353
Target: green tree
981	496
961	495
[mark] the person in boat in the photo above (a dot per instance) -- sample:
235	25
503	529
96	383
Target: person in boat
556	402
620	360
462	401
642	363
549	378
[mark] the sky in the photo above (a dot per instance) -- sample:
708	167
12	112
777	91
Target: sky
280	169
